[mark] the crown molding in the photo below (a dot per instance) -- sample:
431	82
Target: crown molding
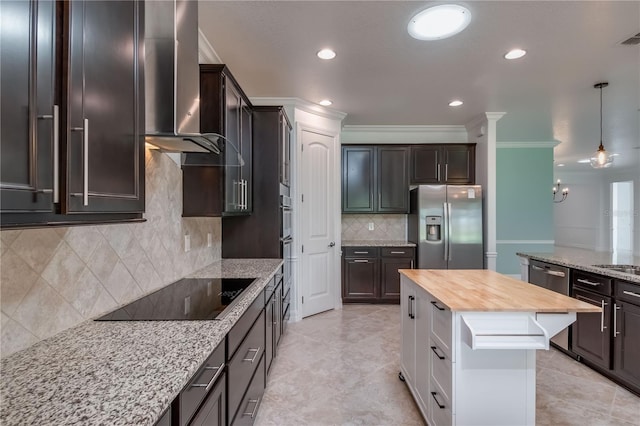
206	53
404	134
301	104
527	144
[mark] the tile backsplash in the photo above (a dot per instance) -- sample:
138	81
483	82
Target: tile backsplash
54	278
385	227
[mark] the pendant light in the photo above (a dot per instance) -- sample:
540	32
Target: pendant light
601	158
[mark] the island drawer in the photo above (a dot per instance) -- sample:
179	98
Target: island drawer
361	252
439	407
407	252
591	282
441	331
628	292
441	369
251	401
240	329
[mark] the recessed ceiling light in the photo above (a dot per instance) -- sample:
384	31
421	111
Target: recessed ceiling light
439	22
584	161
326	54
455	103
515	54
325	102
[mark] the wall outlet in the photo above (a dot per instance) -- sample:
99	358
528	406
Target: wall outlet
187	243
371	226
209	239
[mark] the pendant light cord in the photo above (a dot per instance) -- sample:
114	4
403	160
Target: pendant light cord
601	147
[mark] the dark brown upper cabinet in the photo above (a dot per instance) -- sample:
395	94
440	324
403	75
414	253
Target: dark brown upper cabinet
72	113
443	164
375	179
224	109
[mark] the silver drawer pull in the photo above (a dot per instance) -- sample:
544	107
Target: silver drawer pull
360	252
537	268
556	274
255	355
616	308
435	304
441	406
631	293
361	261
587	282
397	252
207	386
255	407
434	349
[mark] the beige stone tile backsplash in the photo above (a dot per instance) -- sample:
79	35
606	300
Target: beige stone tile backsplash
386	227
54	278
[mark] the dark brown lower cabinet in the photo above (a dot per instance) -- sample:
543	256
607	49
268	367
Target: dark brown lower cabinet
370	274
213	412
627	343
591	333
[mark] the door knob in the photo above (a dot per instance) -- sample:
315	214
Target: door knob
332	243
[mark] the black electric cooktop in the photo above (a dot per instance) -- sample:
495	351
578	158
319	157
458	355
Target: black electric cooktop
187	299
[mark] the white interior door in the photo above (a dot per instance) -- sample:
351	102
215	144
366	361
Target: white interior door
318	239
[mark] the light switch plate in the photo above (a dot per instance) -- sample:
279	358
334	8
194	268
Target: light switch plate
371	226
187	243
209	239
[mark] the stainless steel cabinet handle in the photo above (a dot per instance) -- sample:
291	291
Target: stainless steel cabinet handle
397	252
446	245
602	327
85	159
631	293
449	230
360	252
587	282
246	194
434	349
616	308
360	261
438	172
441	406
412	264
56	151
434	303
537	268
556	273
446	171
255	355
207	386
255	407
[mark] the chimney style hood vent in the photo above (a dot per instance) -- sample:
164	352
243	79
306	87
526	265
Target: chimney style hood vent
172	81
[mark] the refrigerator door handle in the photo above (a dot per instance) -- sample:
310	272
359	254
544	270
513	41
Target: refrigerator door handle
446	231
449	231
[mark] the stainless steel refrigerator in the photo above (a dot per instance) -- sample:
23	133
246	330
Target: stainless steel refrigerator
445	223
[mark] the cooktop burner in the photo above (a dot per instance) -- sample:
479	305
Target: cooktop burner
187	299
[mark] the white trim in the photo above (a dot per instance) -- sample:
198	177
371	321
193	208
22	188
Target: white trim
525	241
354	134
302	105
206	53
527	144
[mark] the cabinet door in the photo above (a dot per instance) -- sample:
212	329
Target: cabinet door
360	280
104	143
591	335
390	278
358	171
392	180
408	324
232	173
459	164
269	344
213	411
421	313
425	164
246	148
27	34
627	343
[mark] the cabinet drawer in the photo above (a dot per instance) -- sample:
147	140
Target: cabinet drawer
441	326
245	362
213	411
397	252
240	329
591	282
361	252
251	401
439	407
628	292
200	384
441	369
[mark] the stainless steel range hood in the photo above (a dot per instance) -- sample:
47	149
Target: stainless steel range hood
172	80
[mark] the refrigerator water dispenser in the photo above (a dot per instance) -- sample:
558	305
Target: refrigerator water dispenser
434	226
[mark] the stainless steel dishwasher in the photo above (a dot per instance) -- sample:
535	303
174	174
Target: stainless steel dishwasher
554	278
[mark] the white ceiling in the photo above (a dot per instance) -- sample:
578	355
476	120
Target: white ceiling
382	76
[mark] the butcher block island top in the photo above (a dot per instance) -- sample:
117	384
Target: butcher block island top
482	290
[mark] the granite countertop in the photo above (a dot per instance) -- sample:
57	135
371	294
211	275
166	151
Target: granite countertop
377	243
585	259
124	372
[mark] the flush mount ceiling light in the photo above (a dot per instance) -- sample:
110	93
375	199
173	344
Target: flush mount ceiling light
601	158
455	103
326	54
515	54
438	22
325	102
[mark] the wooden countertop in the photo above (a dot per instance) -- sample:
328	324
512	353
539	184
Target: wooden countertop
484	290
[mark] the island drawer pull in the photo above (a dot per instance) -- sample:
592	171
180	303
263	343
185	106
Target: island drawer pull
556	274
631	293
360	252
587	282
616	308
434	349
537	268
397	252
441	406
207	386
434	303
360	261
255	355
255	407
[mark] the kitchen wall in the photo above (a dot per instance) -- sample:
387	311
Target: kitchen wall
385	227
52	279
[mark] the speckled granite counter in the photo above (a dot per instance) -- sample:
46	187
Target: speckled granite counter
118	373
585	259
376	243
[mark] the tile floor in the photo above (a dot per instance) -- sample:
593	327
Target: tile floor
341	368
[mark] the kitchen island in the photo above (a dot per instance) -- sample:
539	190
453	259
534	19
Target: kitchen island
120	372
468	343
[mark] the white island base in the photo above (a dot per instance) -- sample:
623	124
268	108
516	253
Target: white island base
474	367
